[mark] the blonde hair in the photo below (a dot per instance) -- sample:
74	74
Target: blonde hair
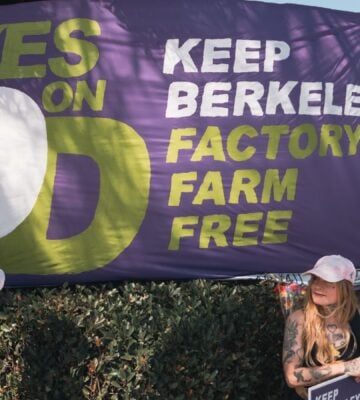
315	323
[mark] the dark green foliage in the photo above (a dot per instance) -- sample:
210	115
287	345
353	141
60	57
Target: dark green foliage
190	340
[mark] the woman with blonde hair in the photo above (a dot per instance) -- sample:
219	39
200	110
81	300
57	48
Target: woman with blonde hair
323	340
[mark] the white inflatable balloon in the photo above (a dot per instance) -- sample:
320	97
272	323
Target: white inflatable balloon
23	157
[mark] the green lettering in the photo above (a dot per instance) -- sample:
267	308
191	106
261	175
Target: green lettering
273	185
247	223
120	210
233	143
66	97
15	47
298	152
211	189
88	52
275	132
210	145
214	227
84	93
276	221
244	181
330	136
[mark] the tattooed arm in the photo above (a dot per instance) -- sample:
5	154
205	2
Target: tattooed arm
352	367
293	357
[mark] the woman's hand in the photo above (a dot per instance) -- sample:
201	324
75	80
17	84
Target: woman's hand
302	392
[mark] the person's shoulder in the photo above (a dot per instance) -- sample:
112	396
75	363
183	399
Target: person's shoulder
297	316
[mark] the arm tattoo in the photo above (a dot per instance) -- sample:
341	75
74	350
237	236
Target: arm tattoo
291	354
300	356
319	375
291	331
351	367
288	355
299	376
316	375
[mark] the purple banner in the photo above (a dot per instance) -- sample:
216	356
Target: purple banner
171	140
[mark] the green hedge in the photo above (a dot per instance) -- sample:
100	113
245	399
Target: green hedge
174	340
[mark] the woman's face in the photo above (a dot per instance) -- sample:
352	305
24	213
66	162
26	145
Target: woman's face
323	293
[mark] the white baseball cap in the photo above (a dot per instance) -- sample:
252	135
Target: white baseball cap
334	268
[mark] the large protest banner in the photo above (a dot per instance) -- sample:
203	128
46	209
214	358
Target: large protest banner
157	139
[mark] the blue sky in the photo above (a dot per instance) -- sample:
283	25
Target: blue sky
345	5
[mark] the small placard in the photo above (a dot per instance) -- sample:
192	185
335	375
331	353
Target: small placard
343	387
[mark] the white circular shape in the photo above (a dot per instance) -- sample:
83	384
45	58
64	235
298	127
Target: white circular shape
23	157
2	279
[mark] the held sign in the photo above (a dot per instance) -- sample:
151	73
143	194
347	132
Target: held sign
340	388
